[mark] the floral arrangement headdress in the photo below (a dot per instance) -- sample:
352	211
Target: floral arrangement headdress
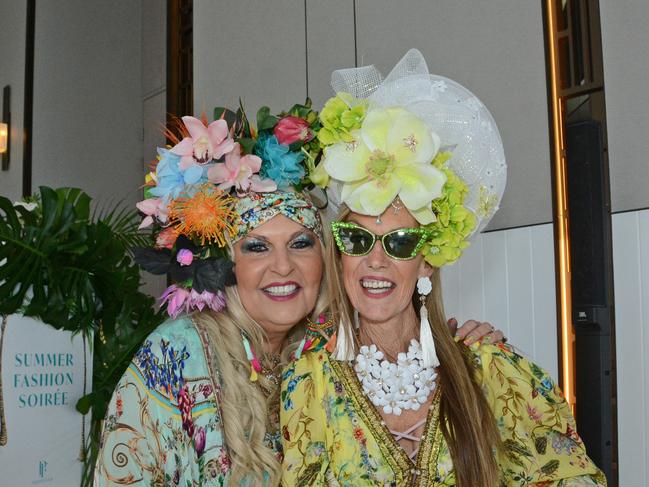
216	183
423	139
419	137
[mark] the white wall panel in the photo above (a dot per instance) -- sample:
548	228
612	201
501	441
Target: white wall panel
631	275
507	278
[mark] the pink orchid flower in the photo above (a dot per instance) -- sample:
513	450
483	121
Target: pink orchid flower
240	172
204	143
152	207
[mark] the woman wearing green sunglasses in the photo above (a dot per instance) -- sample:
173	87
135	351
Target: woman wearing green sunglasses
396	401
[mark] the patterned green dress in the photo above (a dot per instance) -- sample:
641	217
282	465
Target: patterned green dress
333	435
163	426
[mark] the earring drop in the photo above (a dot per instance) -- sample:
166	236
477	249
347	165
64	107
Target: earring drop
428	352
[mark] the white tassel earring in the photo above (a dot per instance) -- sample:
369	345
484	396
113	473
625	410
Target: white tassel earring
343	350
429	355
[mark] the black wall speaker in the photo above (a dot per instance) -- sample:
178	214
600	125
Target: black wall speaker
591	285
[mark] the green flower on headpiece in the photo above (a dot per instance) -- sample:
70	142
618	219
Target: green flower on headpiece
454	222
340	116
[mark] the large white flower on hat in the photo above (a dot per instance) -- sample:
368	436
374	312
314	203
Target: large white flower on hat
391	156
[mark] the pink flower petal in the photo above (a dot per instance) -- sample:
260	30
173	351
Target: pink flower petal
149	206
195	127
217	131
233	158
262	185
184	148
223	148
146	222
220	173
251	161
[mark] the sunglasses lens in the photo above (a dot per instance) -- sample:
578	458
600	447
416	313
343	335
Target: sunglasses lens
401	244
355	241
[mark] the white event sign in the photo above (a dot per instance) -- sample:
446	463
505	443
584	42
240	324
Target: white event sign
42	379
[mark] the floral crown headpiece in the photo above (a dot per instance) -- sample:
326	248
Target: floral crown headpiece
420	137
216	183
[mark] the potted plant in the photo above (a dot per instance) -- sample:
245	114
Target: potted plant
72	269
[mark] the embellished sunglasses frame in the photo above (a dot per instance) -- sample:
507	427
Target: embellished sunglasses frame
424	235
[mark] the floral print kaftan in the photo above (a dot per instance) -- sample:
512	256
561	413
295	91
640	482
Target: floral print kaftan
333	435
163	426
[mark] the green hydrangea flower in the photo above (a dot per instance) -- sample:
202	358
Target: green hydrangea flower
339	117
454	222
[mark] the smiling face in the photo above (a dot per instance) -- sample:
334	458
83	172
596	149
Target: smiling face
278	266
379	287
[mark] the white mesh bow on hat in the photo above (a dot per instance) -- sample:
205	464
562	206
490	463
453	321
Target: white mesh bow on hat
459	119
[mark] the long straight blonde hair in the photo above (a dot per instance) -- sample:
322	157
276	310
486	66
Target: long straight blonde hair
467	423
244	407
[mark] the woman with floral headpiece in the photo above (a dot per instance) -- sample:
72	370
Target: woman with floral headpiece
199	404
395	400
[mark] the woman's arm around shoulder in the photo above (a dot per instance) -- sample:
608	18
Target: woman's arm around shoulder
540	444
303	420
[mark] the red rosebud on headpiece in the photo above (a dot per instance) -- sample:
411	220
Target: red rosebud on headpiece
292	129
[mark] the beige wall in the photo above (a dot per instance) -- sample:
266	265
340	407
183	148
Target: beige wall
625	45
12	72
87	98
494	48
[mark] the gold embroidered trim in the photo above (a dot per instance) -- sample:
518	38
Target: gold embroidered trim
429	450
403	468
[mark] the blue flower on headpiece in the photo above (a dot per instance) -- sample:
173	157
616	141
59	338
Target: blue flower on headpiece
171	180
278	163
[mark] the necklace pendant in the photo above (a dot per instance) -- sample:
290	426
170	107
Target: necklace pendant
395	387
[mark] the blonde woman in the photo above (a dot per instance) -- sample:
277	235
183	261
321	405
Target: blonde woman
398	401
198	405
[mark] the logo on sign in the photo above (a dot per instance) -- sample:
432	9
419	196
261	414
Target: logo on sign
42	473
42	468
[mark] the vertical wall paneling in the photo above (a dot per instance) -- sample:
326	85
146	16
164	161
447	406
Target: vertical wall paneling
631	275
519	275
507	278
470	281
495	281
249	49
544	296
87	85
330	44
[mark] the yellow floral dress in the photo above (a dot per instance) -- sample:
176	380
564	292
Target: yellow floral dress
333	435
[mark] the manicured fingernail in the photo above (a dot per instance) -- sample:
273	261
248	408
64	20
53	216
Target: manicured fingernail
469	340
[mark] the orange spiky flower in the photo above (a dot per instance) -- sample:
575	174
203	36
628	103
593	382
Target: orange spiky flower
207	215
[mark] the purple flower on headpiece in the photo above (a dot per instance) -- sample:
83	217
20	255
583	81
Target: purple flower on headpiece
278	162
180	300
185	257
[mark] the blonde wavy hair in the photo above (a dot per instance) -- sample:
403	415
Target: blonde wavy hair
244	407
466	421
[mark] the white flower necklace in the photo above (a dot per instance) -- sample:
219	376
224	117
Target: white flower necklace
395	387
